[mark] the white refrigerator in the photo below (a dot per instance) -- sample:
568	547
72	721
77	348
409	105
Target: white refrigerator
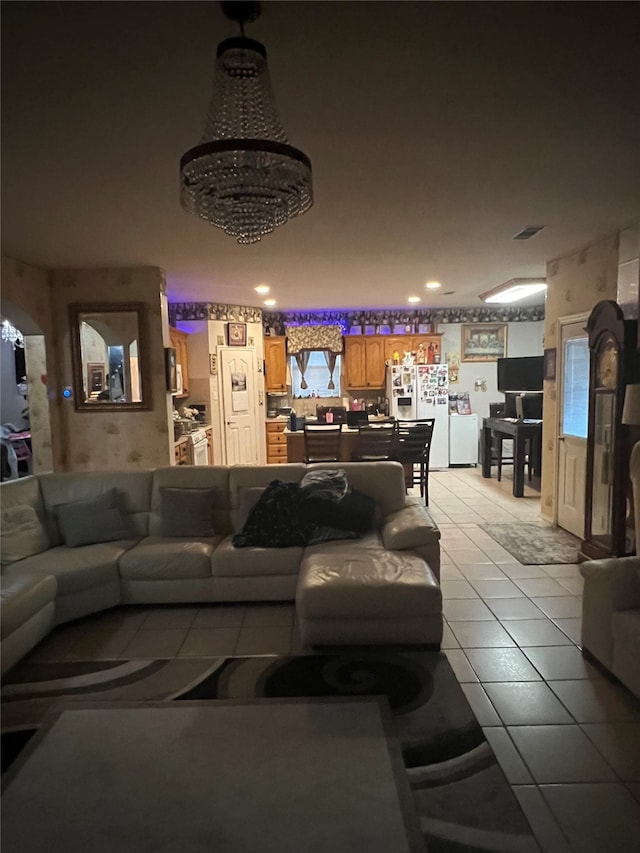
422	391
432	401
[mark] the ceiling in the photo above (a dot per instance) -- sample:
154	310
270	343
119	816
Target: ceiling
437	131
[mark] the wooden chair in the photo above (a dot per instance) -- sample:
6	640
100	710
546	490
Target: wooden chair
497	410
411	447
322	442
375	443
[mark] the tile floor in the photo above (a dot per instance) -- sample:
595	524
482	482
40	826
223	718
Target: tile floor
568	739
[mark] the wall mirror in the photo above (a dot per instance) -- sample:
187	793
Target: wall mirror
109	357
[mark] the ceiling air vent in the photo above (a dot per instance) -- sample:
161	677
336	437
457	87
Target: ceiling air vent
528	232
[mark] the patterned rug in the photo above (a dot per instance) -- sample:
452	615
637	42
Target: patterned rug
463	800
533	545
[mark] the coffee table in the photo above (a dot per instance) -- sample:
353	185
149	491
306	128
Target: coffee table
189	777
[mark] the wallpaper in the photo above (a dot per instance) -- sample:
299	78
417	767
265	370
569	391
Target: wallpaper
94	441
576	283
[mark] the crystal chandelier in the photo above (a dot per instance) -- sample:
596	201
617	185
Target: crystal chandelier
244	177
11	334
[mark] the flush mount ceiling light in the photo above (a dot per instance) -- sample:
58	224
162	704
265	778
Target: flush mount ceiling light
514	290
244	177
433	285
413	299
270	302
262	288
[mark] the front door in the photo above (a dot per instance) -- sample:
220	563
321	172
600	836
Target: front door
240	406
573	389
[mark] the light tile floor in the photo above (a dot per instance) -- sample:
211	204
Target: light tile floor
568	738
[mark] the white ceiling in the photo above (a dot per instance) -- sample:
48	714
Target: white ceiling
436	130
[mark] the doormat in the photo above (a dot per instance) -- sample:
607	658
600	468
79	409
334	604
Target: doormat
460	794
532	545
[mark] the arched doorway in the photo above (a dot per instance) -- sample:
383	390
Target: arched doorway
35	416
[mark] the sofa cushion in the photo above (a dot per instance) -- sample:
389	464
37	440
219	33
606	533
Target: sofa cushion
228	561
21	597
411	527
375	583
22	534
88	522
75	569
214	477
158	558
186	512
133	490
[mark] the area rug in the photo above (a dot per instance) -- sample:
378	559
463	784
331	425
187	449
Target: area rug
462	798
533	545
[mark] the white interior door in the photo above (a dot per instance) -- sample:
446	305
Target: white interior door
240	405
573	387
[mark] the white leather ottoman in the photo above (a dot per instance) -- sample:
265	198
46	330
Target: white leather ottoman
378	598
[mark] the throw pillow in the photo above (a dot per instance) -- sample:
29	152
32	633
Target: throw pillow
90	521
186	512
22	534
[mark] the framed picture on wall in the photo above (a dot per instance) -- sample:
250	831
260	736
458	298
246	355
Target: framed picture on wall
237	334
483	341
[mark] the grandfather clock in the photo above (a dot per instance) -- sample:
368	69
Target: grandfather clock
614	363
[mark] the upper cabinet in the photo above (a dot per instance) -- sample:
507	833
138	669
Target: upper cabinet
275	363
179	343
365	356
364	362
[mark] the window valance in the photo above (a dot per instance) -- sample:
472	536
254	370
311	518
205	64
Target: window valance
301	338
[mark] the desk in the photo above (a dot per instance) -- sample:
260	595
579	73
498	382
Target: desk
519	431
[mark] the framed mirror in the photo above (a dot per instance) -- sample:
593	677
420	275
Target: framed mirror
109	357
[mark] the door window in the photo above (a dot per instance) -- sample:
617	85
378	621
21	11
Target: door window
575	388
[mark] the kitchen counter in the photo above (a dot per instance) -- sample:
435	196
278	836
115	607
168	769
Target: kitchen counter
348	442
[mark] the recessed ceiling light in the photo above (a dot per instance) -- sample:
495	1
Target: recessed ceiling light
269	302
514	290
433	285
413	299
262	288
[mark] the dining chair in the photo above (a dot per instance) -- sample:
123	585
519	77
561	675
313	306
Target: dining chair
411	447
498	410
322	442
375	443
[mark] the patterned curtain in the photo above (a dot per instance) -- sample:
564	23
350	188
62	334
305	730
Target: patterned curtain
330	358
301	338
302	360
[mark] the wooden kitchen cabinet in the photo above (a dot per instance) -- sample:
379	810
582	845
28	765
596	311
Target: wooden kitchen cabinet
276	442
183	452
365	356
275	363
410	343
179	342
364	365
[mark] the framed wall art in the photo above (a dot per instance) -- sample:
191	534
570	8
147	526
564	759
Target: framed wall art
237	334
484	341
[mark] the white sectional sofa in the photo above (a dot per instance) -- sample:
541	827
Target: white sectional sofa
381	587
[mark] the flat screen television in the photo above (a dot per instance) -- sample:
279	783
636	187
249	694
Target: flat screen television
520	374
